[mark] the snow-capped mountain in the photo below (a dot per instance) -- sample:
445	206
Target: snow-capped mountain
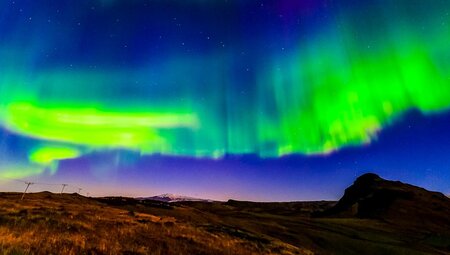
173	198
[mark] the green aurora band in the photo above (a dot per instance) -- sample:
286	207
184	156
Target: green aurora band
332	91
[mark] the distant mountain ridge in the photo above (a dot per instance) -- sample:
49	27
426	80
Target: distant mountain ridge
170	198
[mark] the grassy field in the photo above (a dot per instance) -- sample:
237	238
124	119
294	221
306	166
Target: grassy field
46	223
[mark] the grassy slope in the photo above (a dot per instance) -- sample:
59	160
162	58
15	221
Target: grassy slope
46	223
328	236
70	224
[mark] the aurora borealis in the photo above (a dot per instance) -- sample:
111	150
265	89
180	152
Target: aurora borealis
211	79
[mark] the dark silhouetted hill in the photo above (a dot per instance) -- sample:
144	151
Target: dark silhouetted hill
372	197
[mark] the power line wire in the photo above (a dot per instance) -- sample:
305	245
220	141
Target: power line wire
29	183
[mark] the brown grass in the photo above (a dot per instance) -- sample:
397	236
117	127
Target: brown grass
47	223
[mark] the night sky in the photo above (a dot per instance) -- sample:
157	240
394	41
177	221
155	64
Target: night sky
258	100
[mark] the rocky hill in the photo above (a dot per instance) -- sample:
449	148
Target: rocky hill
372	197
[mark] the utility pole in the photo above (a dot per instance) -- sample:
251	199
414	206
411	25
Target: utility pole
79	191
63	187
26	189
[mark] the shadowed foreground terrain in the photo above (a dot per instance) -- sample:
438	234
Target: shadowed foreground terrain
375	216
